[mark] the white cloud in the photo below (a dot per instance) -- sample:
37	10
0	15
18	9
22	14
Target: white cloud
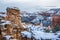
31	4
35	2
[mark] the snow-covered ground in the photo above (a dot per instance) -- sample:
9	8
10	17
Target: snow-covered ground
38	33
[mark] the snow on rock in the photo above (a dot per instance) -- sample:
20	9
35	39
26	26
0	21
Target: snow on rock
58	33
36	28
39	34
37	19
50	11
3	33
6	22
49	18
26	33
47	23
48	36
58	13
7	37
3	15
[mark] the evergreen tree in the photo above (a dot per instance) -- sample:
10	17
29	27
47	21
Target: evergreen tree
56	28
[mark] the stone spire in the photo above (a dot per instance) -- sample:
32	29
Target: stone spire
13	15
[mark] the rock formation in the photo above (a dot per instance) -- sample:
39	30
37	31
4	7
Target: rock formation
13	15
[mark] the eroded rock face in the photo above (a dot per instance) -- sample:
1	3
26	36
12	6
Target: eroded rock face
55	20
13	15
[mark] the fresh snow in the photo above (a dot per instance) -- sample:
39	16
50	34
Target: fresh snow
37	33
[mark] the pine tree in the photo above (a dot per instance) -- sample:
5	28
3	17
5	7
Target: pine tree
56	28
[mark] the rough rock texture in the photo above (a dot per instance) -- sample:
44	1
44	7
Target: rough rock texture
13	15
55	20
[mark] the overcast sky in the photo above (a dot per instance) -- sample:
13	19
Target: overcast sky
29	5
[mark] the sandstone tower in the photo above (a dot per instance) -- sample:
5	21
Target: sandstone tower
13	15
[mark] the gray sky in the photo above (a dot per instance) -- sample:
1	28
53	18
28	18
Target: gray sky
29	5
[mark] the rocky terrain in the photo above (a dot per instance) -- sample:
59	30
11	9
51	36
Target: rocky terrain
37	24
